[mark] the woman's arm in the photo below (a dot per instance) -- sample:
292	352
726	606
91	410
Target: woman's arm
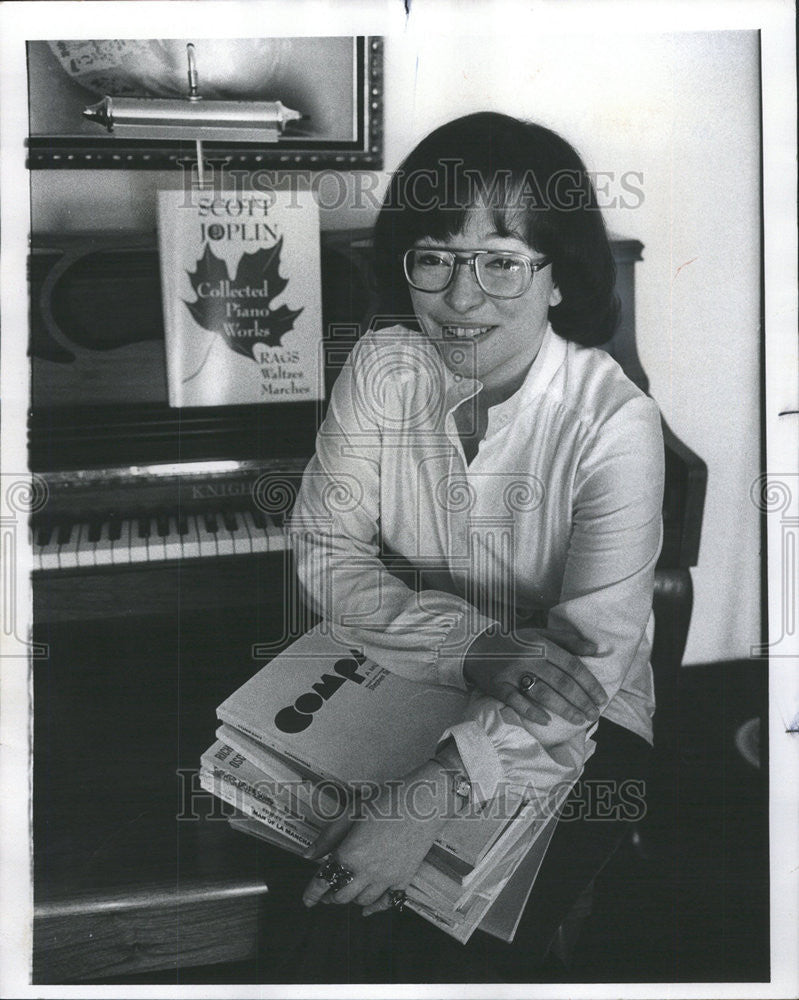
606	598
335	536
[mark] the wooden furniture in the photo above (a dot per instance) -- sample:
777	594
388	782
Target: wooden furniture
140	653
135	869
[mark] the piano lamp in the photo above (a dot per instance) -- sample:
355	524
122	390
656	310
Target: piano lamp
192	117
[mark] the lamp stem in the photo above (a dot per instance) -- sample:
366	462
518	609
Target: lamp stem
200	180
194	82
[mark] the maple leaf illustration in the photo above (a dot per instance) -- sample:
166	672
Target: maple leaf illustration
222	305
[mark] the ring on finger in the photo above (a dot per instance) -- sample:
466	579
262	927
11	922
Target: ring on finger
397	898
335	874
527	682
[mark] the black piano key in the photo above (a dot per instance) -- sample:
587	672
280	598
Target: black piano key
258	518
95	529
229	519
183	524
44	533
114	528
64	533
211	523
144	527
162	524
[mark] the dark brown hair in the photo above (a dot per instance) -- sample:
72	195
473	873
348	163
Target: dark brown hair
534	183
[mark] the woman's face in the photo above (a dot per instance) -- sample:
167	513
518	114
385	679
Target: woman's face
494	340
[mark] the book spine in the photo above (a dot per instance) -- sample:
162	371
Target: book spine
281	748
295	790
448	863
260	786
254	828
232	793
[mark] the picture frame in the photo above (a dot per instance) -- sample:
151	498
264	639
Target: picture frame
335	82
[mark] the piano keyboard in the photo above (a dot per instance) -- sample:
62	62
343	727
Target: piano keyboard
122	541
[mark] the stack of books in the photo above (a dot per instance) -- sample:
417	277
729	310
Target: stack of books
321	726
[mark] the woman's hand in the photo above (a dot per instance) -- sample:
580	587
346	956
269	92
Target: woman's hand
385	846
563	685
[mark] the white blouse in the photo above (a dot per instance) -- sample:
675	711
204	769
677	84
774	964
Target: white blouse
556	522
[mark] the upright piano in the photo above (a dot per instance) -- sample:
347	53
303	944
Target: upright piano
162	580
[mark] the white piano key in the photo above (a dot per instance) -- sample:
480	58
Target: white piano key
85	550
258	536
68	554
208	543
137	547
156	546
103	549
190	542
224	537
33	535
120	550
242	543
278	539
172	542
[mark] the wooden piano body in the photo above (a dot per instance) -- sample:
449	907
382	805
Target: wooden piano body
163	581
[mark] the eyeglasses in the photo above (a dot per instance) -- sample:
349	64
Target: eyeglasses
499	273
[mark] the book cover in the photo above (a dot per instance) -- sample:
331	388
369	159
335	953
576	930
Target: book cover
339	715
240	285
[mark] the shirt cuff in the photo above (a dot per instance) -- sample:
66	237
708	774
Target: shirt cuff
480	759
452	651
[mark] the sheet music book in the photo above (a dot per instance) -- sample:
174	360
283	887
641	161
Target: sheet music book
341	716
328	712
241	291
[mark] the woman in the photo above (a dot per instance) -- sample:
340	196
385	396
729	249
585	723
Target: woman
487	441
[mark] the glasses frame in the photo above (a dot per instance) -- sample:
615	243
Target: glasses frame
469	257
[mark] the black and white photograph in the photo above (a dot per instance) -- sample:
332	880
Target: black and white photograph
399	499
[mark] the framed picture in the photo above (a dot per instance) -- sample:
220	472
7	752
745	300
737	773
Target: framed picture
331	86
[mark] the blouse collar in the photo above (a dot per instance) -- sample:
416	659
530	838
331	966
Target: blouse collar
550	357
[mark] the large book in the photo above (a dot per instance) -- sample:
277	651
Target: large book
241	290
340	716
322	709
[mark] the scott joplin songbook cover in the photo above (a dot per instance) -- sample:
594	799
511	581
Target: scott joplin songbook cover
241	294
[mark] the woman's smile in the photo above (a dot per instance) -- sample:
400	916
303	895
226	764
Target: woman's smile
457	331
